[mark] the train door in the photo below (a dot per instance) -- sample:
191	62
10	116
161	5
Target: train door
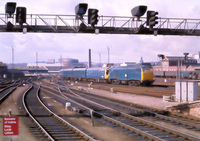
107	74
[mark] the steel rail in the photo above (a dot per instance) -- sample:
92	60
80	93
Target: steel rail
68	99
74	102
138	131
158	126
27	110
91	111
7	94
172	119
14	85
87	137
157	115
143	121
125	125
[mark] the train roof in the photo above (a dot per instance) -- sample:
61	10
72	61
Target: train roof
131	66
110	67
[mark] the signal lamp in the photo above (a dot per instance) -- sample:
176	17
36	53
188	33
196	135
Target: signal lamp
21	15
152	18
186	55
139	11
81	9
10	8
161	56
93	17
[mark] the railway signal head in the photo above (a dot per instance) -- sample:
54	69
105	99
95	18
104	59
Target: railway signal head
21	15
161	56
81	9
10	8
186	55
139	11
152	18
93	17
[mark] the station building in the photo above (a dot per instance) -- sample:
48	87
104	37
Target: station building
173	63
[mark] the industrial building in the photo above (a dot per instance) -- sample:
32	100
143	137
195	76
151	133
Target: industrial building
178	67
171	63
52	66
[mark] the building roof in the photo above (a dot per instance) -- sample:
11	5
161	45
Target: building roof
2	64
45	64
177	57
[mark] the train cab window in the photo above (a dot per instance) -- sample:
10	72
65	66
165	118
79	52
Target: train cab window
107	72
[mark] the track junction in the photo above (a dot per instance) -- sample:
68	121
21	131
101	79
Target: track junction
90	116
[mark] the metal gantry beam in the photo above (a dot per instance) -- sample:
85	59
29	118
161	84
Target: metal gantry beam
41	23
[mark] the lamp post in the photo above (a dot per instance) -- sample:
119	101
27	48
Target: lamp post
180	63
108	48
100	59
179	69
12	48
36	63
61	61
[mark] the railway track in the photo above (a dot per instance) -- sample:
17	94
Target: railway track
152	91
135	124
156	90
8	89
52	126
145	112
138	113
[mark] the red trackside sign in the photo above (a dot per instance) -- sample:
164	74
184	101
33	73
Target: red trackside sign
10	126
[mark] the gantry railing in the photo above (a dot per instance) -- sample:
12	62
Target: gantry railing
106	25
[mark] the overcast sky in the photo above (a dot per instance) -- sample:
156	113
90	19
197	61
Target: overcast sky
123	48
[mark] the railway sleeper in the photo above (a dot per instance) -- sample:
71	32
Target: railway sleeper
137	114
50	115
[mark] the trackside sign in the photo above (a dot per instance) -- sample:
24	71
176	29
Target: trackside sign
10	126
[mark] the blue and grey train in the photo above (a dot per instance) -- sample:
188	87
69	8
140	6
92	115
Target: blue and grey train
134	75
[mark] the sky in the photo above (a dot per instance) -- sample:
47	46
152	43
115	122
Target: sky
123	48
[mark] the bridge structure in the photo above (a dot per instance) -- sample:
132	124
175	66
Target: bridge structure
44	23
